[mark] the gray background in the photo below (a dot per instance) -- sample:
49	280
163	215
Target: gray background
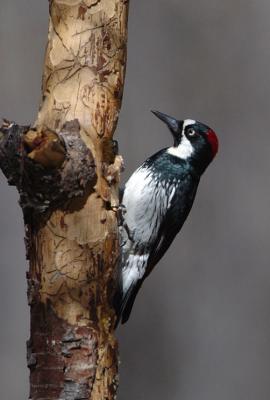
200	328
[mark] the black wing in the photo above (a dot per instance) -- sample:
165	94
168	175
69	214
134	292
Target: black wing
171	225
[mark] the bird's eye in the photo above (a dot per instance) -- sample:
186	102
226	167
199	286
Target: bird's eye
191	132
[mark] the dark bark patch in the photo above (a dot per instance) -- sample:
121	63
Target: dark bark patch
75	391
40	188
62	358
82	11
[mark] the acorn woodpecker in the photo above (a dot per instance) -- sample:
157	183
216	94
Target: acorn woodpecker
157	200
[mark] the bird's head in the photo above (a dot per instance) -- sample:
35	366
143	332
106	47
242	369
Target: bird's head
193	141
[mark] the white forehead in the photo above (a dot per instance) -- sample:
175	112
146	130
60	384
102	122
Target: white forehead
188	122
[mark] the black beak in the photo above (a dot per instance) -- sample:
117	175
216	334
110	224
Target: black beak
172	123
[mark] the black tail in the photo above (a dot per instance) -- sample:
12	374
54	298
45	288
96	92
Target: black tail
124	307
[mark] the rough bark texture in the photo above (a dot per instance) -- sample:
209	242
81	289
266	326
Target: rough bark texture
66	169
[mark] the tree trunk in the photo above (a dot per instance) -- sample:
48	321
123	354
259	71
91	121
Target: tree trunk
66	169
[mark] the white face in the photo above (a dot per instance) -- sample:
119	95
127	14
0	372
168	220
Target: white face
185	149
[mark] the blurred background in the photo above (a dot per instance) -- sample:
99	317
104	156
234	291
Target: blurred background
200	328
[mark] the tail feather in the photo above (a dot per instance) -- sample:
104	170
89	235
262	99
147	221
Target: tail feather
131	276
129	301
123	304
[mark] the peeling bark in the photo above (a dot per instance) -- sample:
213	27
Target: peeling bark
66	169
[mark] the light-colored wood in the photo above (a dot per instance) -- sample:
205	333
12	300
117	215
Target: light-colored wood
84	70
45	148
74	251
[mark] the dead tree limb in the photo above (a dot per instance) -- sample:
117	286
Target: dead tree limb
66	169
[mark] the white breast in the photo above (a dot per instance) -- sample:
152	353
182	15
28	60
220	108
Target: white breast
146	199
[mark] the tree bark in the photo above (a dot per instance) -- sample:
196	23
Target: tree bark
66	169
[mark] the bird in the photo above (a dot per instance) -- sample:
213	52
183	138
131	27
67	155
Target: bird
156	201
